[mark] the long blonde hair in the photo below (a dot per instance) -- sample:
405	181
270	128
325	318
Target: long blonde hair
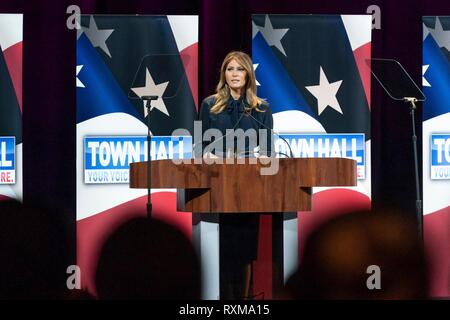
223	91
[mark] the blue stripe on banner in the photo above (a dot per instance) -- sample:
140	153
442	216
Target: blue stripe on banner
101	94
276	85
438	75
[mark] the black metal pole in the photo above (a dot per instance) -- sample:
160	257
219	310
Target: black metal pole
416	167
149	162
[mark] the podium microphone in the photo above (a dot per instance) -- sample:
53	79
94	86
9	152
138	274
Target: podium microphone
289	146
225	135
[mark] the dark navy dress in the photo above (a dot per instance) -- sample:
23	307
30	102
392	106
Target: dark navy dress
228	118
238	232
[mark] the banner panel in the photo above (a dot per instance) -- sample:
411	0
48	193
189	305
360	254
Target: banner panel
436	151
11	36
119	60
311	69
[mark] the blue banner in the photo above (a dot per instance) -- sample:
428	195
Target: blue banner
7	160
440	156
341	145
107	159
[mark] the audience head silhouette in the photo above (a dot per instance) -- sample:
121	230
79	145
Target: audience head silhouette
148	259
33	253
363	255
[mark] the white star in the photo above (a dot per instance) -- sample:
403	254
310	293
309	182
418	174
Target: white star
325	93
273	36
254	29
425	31
78	25
425	82
152	89
79	32
441	36
98	37
255	65
79	83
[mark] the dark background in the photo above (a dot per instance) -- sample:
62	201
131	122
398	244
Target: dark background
49	108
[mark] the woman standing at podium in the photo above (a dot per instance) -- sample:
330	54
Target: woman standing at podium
235	105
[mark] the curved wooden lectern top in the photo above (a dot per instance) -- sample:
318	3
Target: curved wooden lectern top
221	188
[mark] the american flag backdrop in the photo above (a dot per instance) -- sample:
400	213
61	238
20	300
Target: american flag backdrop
110	52
436	151
312	70
11	36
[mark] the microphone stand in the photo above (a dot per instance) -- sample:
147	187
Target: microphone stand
412	101
148	101
399	85
224	136
289	146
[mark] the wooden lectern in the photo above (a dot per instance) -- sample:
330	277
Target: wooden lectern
208	190
222	188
